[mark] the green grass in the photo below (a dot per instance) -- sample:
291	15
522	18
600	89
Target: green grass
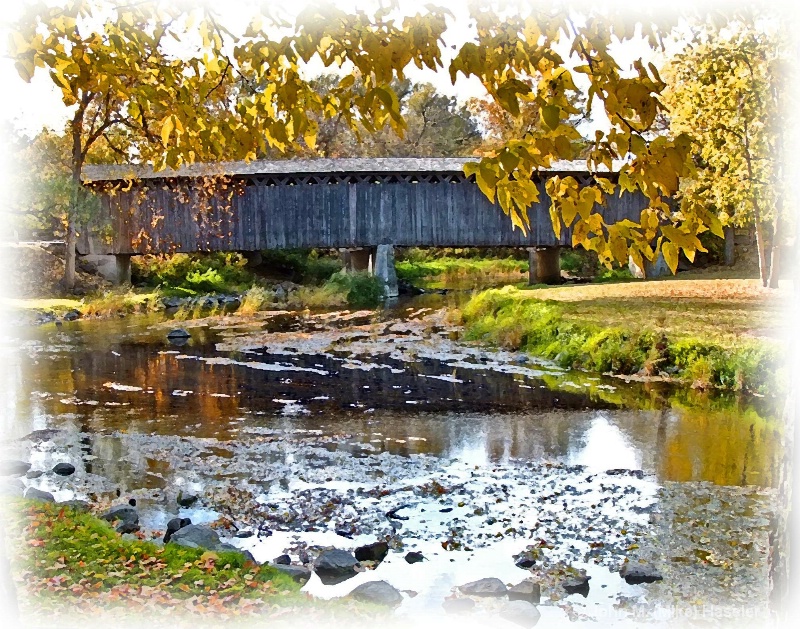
411	270
72	554
305	266
589	335
66	561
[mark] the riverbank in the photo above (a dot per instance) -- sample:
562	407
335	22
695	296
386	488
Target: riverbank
72	559
707	333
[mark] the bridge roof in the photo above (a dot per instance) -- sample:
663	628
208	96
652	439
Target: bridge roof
343	165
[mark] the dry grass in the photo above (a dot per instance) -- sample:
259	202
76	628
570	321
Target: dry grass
725	309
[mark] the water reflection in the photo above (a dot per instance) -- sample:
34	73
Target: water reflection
97	378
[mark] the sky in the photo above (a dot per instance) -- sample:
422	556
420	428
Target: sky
37	104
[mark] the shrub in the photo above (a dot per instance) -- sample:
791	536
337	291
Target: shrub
362	290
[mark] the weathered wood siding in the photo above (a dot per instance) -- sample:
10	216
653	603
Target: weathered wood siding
253	213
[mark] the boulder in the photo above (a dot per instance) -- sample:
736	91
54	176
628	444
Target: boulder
78	505
372	552
484	587
13	467
458	605
201	536
282	560
635	572
11	488
527	590
377	592
335	566
126	514
300	574
520	613
64	469
38	494
196	536
72	315
175	525
34	474
178	333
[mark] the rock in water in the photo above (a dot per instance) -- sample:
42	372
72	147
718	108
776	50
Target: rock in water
484	587
200	536
64	469
38	494
178	333
577	584
526	559
414	557
527	590
458	605
635	573
128	516
335	566
196	536
521	613
282	560
378	592
300	574
186	500
372	552
175	525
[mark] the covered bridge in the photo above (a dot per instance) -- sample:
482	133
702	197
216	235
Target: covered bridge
351	204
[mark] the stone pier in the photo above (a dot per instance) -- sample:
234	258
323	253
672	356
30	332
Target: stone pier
545	265
384	269
358	259
115	268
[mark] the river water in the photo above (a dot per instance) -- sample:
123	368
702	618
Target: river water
302	431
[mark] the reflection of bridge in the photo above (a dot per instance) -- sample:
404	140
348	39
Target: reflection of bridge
353	204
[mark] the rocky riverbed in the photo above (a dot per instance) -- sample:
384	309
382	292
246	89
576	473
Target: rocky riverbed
295	435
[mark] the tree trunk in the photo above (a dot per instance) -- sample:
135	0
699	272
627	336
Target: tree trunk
762	254
69	266
774	265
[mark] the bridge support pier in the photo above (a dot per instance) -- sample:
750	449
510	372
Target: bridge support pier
116	268
358	259
545	265
384	269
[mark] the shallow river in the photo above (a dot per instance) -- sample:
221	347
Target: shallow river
301	431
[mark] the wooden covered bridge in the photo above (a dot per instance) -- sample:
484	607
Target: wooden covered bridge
361	206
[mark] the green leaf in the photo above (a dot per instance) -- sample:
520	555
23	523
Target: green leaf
551	115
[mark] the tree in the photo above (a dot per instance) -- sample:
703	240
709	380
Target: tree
114	69
435	126
177	109
724	91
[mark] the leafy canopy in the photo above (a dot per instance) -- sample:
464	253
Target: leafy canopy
230	96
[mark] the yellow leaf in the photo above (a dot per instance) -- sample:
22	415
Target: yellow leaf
670	252
166	129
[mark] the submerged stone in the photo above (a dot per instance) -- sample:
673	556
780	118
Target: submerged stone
372	552
484	587
520	613
378	592
527	590
635	573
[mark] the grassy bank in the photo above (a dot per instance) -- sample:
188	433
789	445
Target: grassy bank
73	561
707	333
418	265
